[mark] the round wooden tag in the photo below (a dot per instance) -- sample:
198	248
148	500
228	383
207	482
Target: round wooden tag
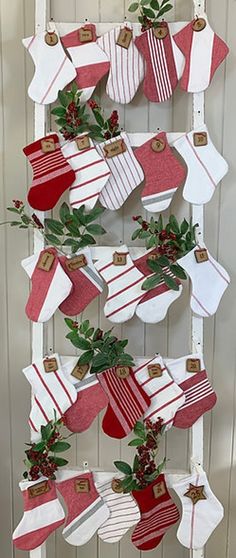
51	39
161	31
199	24
158	145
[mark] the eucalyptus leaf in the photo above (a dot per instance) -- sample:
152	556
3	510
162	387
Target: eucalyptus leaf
123	467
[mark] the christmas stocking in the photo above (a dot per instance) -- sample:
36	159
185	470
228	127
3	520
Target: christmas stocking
124	282
165	395
209	280
91	398
87	283
127	65
206	167
86	511
155	304
127	401
198	41
164	173
124	512
158	513
52	174
163	63
202	512
90	61
53	69
190	374
50	284
91	172
53	393
43	514
126	173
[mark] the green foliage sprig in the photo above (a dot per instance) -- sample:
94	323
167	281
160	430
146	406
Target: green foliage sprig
150	11
74	229
170	243
105	128
101	350
144	469
42	457
72	116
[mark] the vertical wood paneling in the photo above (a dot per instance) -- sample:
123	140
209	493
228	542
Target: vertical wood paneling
170	337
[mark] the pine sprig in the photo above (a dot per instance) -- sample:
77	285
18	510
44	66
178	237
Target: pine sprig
100	350
150	11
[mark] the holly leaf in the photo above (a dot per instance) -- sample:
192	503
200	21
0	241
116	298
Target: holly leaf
60	462
40	446
135	234
139	430
135	464
94	213
70	323
163	261
58	111
46	431
136	442
84	326
62	97
178	271
151	282
123	467
54	226
100	361
86	357
95	229
149	13
64	213
154	265
171	283
128	484
99	118
184	227
59	447
52	239
133	7
155	5
165	9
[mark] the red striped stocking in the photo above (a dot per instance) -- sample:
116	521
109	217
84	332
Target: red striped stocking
124	282
52	175
126	172
127	65
91	173
127	402
162	72
190	374
158	513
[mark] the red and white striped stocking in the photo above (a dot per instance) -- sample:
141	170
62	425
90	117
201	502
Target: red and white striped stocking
127	401
190	374
124	283
198	41
165	395
90	62
158	514
127	65
52	174
43	514
126	172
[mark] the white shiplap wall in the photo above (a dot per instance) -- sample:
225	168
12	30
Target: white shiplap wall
170	337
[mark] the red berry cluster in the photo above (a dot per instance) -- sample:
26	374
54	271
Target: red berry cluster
92	104
147	24
37	221
164	248
72	118
42	462
147	453
113	124
17	203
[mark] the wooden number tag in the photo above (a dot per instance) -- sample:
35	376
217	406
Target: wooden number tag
119	258
76	263
83	143
82	485
200	139
115	148
85	35
116	486
51	39
38	489
158	145
159	489
125	37
199	24
193	365
122	372
80	371
45	261
50	364
201	255
161	31
48	145
155	371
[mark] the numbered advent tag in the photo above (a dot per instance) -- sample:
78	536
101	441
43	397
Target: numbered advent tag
201	255
82	485
199	24
154	370
116	486
161	31
77	262
158	145
80	371
45	261
48	145
119	258
193	365
122	372
125	37
38	489
115	148
85	35
159	489
83	143
200	139
51	39
50	364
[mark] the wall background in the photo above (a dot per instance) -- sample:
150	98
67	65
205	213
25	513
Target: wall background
172	336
